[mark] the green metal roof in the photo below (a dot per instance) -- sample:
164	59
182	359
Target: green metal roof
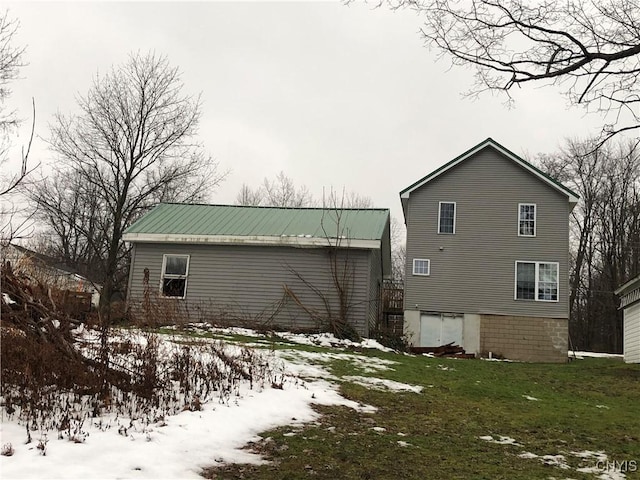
240	221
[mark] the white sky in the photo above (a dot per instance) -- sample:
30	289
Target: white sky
342	96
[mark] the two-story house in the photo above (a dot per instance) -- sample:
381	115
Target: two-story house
488	257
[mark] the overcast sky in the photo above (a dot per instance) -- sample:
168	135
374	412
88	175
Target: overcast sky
334	95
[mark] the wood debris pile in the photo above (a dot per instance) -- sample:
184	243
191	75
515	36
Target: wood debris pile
39	345
448	350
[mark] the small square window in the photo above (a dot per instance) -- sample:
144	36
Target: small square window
421	266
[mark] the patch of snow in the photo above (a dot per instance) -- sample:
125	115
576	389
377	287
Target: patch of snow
179	446
382	384
379	429
501	440
588	455
602	406
403	443
528	455
555	461
581	355
533	399
362	362
7	299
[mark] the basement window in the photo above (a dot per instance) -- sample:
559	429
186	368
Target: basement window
175	269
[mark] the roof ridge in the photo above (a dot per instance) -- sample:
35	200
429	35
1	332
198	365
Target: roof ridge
382	209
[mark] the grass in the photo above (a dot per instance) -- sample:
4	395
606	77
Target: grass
548	409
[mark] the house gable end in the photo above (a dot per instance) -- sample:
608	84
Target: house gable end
571	196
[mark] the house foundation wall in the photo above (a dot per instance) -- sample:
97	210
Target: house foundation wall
529	339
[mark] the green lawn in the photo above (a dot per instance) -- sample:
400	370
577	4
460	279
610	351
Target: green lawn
590	405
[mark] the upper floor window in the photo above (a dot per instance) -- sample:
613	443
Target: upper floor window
527	220
537	281
175	269
447	217
421	266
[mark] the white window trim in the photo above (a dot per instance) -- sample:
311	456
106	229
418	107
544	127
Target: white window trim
537	271
163	275
535	219
428	267
455	214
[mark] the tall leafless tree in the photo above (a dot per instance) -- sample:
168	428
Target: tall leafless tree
590	49
132	145
605	234
11	60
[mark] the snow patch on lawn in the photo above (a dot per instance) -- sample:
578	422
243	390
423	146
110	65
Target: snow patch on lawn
533	399
181	445
382	384
362	362
581	355
501	440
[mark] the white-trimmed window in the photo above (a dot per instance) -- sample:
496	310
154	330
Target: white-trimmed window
447	217
421	266
527	219
175	269
537	281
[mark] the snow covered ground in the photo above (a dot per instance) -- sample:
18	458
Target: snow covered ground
179	446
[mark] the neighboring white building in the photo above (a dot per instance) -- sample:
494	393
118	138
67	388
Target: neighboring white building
630	304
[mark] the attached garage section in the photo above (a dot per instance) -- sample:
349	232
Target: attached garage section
529	339
630	304
440	329
434	329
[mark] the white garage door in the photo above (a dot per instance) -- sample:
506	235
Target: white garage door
440	329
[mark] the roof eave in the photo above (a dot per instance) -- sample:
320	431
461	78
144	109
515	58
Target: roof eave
288	241
630	285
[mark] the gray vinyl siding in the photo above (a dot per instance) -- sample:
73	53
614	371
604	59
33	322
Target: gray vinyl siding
248	281
473	270
375	285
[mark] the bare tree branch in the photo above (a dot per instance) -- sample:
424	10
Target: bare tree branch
589	49
133	145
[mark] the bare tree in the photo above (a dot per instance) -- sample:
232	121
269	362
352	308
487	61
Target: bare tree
605	234
249	197
349	199
398	250
67	205
281	192
11	60
589	48
277	192
10	63
132	145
